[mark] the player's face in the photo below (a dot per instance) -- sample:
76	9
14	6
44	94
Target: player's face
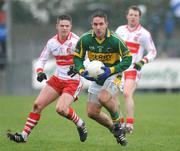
63	27
99	26
133	18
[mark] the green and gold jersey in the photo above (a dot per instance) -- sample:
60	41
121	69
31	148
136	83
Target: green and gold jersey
111	51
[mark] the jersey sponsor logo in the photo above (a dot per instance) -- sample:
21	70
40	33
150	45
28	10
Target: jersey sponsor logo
133	47
104	57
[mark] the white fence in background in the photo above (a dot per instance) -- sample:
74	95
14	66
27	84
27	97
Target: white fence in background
162	73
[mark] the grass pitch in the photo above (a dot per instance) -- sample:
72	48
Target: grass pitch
157	126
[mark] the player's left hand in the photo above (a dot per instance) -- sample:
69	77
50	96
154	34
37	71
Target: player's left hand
72	71
107	73
139	65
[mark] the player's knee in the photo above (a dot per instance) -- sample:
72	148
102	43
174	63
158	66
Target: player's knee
126	94
37	108
61	111
104	97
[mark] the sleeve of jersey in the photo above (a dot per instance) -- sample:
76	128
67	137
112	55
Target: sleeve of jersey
150	47
79	56
126	59
42	59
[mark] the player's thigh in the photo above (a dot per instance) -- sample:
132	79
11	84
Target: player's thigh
111	86
72	87
104	95
129	86
46	96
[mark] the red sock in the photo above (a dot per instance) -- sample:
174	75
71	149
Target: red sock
72	116
31	122
130	120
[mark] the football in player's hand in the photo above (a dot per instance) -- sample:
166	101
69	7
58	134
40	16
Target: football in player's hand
94	68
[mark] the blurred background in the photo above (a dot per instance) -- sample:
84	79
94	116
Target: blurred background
26	25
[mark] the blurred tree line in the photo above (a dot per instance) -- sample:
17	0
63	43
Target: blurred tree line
157	16
45	11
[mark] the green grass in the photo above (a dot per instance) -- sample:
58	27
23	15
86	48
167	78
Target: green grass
157	126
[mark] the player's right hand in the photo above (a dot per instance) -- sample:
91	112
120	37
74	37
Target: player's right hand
41	76
85	74
106	74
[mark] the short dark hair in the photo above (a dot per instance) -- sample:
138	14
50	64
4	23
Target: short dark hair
64	17
134	7
99	13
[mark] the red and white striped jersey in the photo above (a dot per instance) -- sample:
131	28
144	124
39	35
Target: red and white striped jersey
138	41
62	52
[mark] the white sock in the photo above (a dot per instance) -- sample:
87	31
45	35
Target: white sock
79	123
24	135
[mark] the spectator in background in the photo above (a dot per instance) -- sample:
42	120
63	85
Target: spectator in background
169	26
3	34
154	26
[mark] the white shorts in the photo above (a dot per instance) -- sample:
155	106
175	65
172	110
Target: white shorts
112	85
